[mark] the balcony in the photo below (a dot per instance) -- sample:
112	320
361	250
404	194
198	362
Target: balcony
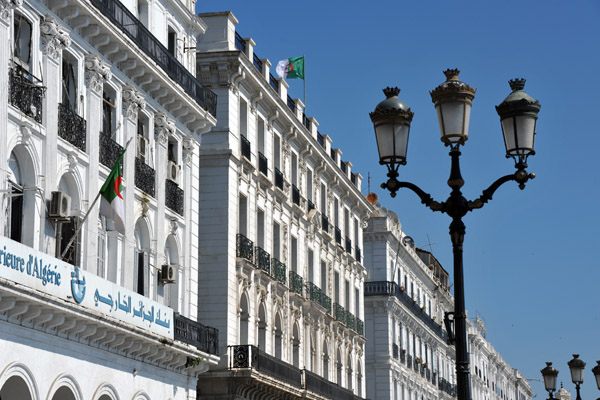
71	126
122	18
279	270
310	206
110	151
240	43
248	356
246	148
338	236
360	326
296	283
295	195
257	63
305	122
173	196
348	245
263	164
350	320
204	338
319	297
244	248
325	388
385	288
26	92
263	260
278	179
395	351
274	83
339	312
144	177
291	104
321	139
324	222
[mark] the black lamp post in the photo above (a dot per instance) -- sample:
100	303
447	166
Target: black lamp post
576	367
453	99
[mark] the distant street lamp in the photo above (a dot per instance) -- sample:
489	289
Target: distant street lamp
453	99
576	366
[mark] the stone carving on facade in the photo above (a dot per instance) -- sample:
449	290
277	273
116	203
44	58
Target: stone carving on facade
6	6
271	119
173	225
188	151
285	242
132	102
163	128
96	72
54	38
254	99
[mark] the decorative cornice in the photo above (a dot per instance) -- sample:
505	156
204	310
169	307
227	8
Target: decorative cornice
163	127
96	72
6	6
54	39
132	102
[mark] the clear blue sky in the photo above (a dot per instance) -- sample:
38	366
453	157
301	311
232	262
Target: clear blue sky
531	267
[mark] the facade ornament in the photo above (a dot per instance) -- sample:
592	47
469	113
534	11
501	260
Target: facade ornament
54	38
271	119
132	102
6	6
188	151
96	72
163	127
285	242
173	225
254	99
145	205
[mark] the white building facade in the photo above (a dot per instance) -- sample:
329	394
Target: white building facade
107	315
406	297
281	236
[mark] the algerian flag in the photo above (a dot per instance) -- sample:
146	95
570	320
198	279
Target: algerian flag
291	68
112	205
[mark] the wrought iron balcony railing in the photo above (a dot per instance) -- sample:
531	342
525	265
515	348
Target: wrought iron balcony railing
324	222
191	332
360	326
245	248
338	236
257	62
109	151
26	92
246	147
306	122
348	245
122	18
291	103
263	164
384	288
173	196
318	296
144	177
71	126
339	312
263	260
296	283
310	205
350	320
325	388
395	351
295	195
248	356
279	271
240	43
274	82
278	179
321	139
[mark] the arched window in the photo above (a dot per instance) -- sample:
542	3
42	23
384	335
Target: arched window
339	367
64	393
15	201
244	315
66	242
141	273
296	346
15	388
262	327
278	336
169	289
102	247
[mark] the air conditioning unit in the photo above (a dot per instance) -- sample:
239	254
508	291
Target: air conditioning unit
168	273
142	148
173	171
60	205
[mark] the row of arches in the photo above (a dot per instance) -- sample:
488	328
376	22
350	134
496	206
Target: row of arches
17	382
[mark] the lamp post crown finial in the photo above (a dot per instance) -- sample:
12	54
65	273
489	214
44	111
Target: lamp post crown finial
452	74
391	91
517	84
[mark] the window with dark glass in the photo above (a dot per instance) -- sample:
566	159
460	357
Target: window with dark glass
22	40
172	41
107	113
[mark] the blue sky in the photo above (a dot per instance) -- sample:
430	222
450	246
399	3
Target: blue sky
531	271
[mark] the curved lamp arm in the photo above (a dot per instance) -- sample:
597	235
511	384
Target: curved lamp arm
521	177
393	185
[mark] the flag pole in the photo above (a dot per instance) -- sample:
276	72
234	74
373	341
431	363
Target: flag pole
304	80
87	214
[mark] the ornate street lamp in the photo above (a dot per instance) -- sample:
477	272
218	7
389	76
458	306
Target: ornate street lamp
549	374
453	100
576	367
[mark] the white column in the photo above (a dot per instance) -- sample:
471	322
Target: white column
96	73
